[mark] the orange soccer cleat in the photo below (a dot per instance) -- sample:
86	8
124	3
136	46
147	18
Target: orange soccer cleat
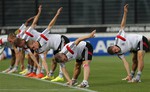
40	75
31	74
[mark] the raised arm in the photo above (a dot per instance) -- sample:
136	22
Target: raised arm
91	35
29	20
123	22
54	19
36	17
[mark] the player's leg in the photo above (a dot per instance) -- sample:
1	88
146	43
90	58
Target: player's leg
22	60
143	47
3	56
77	71
141	55
53	67
86	74
64	40
12	62
134	64
18	58
86	57
30	66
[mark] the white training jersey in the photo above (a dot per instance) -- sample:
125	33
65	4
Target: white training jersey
21	31
53	42
31	34
127	42
72	51
4	42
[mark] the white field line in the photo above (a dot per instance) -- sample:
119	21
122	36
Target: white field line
16	90
58	83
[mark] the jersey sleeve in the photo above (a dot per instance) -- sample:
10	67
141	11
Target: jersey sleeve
68	50
28	50
120	37
121	56
28	34
21	30
3	40
41	56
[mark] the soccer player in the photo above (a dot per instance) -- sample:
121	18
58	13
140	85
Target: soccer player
42	39
137	44
19	53
4	42
81	51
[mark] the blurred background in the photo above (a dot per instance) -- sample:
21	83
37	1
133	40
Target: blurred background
79	17
75	12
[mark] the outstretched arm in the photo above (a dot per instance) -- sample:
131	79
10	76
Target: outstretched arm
66	74
29	20
123	22
126	65
36	17
54	19
91	35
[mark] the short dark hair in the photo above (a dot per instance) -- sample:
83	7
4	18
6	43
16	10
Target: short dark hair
58	57
110	51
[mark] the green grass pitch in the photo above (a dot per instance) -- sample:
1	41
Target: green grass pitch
105	76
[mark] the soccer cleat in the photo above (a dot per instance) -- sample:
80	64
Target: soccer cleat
83	85
13	70
40	75
48	78
58	79
134	80
74	82
7	70
24	71
31	74
27	74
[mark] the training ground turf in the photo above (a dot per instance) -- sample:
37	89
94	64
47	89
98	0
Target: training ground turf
106	74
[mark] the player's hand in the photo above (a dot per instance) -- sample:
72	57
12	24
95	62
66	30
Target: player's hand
126	8
92	34
70	83
40	8
128	78
59	10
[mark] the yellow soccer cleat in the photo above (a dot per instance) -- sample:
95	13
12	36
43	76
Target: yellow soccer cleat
24	71
58	79
48	78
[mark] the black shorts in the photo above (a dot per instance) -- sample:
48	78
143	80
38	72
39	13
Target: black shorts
64	41
87	53
143	45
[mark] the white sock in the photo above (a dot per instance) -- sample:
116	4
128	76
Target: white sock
138	76
60	72
60	75
51	73
85	82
